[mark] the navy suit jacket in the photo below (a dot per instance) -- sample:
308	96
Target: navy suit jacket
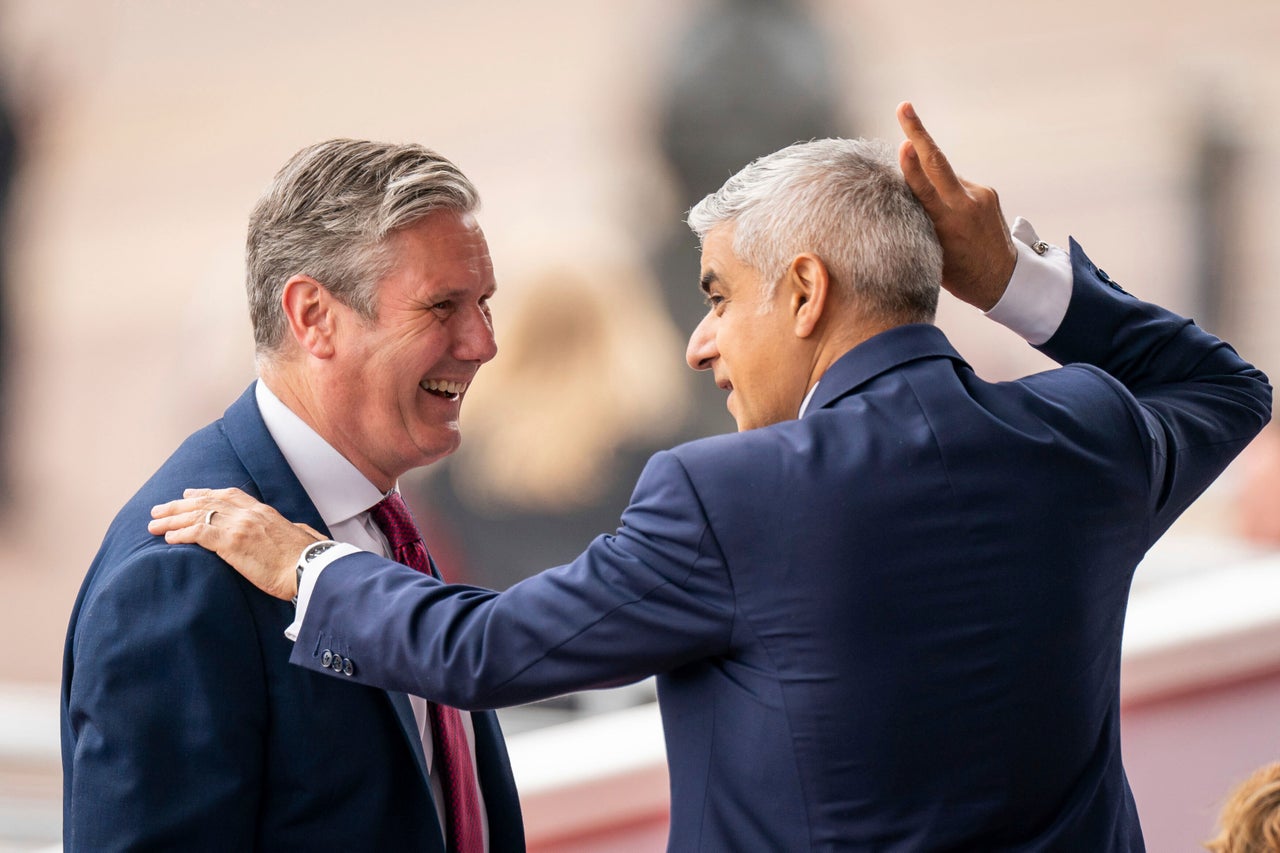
183	727
892	624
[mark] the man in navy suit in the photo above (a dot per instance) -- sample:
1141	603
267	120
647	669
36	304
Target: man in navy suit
886	614
183	727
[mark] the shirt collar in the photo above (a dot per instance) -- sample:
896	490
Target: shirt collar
880	354
336	487
807	397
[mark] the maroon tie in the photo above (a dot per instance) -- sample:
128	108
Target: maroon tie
457	776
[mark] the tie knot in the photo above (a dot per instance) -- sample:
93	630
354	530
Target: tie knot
393	519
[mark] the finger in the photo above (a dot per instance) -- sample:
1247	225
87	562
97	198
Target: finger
916	179
179	507
164	523
204	499
199	534
930	156
231	495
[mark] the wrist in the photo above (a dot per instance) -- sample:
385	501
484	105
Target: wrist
305	559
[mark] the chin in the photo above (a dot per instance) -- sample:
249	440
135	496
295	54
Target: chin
436	448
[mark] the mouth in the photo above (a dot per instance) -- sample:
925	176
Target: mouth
444	388
725	385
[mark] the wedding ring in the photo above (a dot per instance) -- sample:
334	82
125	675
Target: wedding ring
208	516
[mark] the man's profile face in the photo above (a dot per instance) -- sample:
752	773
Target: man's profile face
745	339
402	376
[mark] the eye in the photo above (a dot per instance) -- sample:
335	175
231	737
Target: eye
443	307
714	301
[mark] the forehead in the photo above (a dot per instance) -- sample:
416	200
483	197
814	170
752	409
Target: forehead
717	247
445	247
722	267
720	264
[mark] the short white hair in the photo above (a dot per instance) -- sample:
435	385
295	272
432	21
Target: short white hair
844	200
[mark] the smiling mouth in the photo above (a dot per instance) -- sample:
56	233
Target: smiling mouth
444	388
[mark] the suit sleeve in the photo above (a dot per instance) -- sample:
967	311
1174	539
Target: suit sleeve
651	597
1194	401
166	705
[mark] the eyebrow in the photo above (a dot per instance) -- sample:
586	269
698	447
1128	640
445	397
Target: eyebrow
448	293
708	278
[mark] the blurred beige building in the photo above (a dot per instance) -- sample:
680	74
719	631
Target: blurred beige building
150	126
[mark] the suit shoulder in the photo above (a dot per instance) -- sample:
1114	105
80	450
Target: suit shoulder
754	448
159	576
133	563
205	458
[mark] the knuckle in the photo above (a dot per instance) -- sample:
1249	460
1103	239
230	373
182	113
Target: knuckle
936	160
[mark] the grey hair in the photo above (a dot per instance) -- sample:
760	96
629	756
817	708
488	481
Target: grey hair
844	200
328	213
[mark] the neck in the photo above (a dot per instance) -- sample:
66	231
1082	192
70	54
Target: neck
841	333
291	386
303	395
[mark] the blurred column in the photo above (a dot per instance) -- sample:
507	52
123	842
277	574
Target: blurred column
9	164
1215	222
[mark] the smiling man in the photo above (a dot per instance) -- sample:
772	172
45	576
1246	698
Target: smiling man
183	728
886	614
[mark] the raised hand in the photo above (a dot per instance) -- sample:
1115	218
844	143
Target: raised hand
977	251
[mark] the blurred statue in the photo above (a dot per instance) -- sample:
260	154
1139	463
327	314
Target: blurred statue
747	77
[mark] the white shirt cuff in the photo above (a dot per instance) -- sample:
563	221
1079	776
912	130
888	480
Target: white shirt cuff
313	570
1039	291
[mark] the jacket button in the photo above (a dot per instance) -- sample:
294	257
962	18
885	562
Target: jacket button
326	658
337	663
347	668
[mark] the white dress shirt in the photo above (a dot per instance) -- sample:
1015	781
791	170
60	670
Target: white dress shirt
343	496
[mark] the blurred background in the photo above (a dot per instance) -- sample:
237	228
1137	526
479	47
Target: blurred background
135	135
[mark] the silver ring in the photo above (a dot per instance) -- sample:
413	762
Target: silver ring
208	517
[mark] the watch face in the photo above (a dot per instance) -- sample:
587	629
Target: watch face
317	549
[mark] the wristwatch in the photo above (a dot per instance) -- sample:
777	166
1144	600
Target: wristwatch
315	549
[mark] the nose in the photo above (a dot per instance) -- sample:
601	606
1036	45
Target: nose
475	341
701	352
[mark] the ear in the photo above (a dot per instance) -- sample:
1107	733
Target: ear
808	285
309	310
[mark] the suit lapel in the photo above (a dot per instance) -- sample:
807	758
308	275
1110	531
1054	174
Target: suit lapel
274	483
493	767
409	724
